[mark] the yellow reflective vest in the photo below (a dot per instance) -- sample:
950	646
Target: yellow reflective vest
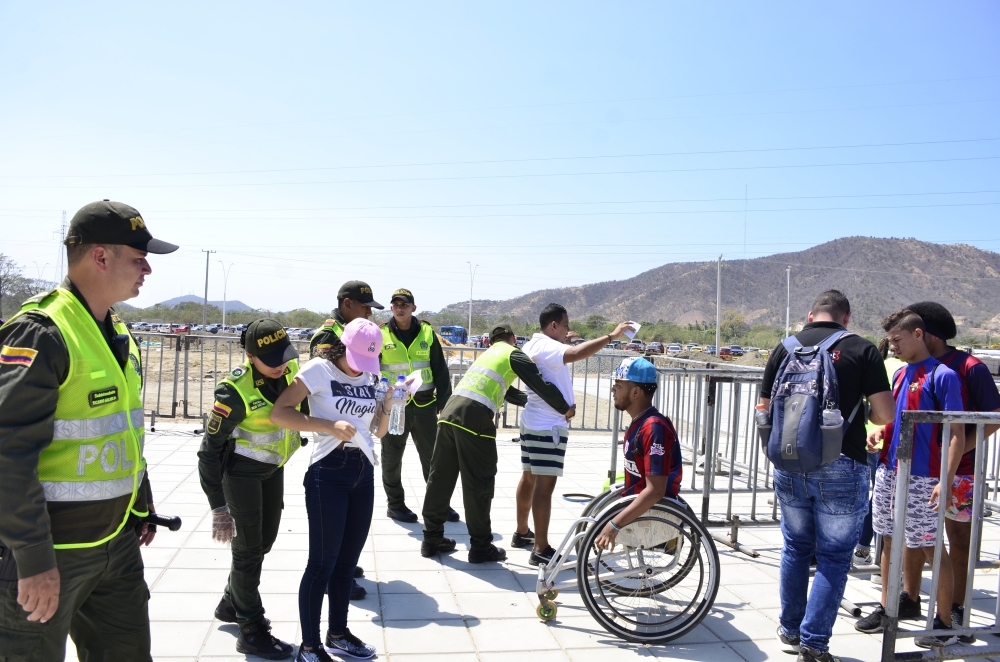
487	379
398	359
256	436
96	450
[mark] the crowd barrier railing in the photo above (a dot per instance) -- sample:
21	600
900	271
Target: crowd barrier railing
904	456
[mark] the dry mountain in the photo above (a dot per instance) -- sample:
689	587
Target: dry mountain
878	275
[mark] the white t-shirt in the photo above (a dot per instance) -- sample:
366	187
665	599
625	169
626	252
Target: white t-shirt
336	396
548	356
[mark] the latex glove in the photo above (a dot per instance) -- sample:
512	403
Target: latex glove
223	525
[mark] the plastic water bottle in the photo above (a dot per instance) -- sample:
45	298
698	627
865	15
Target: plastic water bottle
397	418
380	390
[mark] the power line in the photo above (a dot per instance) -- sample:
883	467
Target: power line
521	176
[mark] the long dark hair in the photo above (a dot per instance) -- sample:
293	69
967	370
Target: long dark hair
332	351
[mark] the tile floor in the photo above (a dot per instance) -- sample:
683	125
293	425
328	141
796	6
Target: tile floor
444	609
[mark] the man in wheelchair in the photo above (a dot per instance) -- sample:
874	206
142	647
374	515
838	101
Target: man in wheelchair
652	450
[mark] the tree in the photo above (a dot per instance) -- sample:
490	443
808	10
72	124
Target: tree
733	325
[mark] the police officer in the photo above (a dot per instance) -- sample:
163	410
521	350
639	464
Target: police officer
466	443
241	465
409	344
354	300
74	483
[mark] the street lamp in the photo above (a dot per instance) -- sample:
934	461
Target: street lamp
472	279
225	282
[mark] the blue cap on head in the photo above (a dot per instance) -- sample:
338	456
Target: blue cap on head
637	370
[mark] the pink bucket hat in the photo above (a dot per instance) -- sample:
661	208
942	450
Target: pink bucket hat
364	344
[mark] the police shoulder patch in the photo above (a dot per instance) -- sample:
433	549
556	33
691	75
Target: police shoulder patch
237	372
115	319
329	322
214	423
23	356
221	409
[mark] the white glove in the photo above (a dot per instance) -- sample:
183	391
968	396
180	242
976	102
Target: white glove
223	525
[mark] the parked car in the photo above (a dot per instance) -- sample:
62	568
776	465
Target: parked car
182	328
736	350
674	348
725	353
635	346
654	348
710	349
305	334
520	341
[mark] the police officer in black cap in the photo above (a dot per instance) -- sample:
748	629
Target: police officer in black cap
354	300
74	485
241	466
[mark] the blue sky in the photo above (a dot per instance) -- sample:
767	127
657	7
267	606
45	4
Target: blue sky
552	145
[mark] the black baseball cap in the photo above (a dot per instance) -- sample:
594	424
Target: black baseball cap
107	222
360	291
268	341
403	294
501	330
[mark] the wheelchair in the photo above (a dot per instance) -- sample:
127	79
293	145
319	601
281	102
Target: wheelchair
657	584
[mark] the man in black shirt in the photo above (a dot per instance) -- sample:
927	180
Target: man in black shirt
822	511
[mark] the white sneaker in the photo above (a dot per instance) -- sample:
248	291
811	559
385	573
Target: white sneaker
876	579
862	556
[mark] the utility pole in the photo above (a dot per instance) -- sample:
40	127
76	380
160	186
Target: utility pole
788	299
62	251
718	308
204	309
225	283
472	279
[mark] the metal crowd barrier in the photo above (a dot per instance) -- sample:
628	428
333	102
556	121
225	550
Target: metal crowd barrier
904	455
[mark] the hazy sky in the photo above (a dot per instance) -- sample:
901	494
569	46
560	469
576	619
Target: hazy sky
552	144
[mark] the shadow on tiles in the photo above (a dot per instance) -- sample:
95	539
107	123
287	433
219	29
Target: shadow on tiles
419	608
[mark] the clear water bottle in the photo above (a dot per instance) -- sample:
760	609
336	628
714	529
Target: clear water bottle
380	390
397	418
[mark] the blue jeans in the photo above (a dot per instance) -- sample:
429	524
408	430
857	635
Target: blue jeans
867	532
340	495
821	514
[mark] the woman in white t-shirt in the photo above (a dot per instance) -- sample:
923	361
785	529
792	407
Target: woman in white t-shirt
340	488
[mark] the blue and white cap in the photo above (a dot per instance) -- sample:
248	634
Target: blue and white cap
638	370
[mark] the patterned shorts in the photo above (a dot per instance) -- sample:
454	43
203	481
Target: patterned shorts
543	451
921	520
960	509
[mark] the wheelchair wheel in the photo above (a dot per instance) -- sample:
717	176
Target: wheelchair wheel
660	580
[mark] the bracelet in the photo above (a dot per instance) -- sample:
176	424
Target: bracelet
386	413
614	526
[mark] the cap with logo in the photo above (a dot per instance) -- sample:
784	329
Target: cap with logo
107	222
363	340
268	341
638	370
358	290
403	294
500	330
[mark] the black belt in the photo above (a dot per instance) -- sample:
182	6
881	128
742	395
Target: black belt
348	449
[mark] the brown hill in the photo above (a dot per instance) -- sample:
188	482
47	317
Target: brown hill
878	276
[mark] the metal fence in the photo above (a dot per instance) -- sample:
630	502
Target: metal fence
904	456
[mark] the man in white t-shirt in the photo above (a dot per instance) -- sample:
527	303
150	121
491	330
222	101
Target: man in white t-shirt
544	431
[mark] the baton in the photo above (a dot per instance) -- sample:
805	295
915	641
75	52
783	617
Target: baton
172	523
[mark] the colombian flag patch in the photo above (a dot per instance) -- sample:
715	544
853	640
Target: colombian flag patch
222	409
17	356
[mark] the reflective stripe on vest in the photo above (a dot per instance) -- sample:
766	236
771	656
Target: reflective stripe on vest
256	436
96	450
487	379
398	359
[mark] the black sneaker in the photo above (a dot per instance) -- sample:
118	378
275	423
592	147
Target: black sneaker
358	571
872	623
958	621
453	515
788	644
315	655
402	514
256	639
807	654
543	557
358	591
225	612
909	609
428	549
944	639
350	646
523	539
490	554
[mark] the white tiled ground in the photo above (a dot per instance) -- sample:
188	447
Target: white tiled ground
445	609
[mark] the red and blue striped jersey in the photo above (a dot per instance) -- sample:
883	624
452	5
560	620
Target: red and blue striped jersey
925	386
979	393
652	449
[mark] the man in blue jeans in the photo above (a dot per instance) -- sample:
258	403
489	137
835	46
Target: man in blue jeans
822	511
